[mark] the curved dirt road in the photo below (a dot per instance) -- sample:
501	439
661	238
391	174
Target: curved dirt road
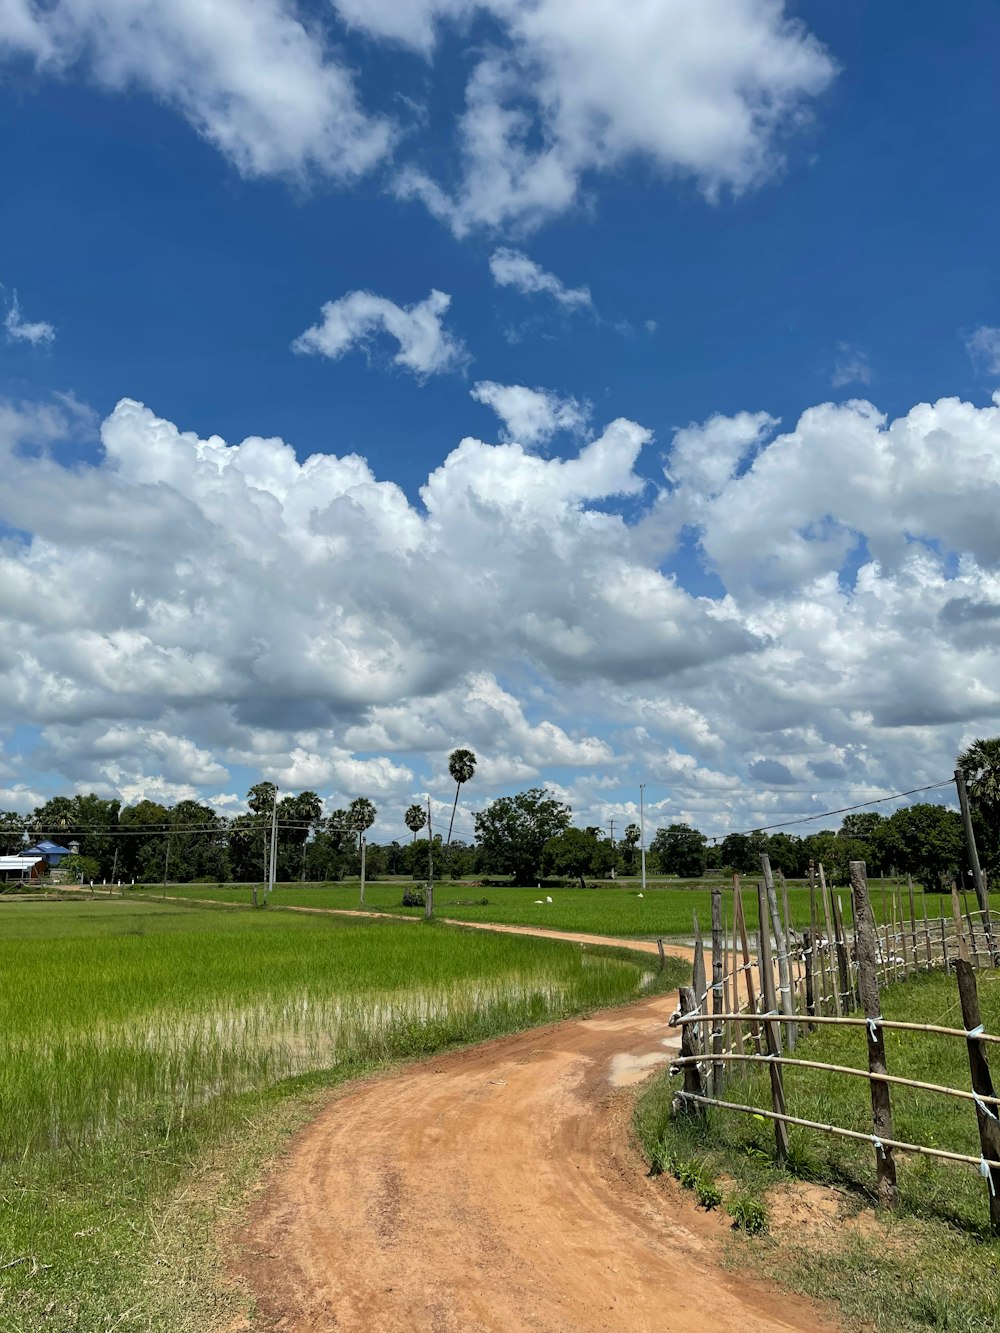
496	1189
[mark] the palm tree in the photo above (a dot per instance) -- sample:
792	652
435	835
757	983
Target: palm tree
461	766
361	816
980	767
414	819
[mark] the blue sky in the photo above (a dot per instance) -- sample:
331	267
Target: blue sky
772	208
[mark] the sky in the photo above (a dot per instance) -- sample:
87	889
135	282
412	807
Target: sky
607	388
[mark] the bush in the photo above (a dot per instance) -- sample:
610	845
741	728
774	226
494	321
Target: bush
414	897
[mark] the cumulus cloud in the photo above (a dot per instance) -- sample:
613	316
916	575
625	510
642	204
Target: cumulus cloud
195	606
247	74
703	88
425	345
513	268
38	333
983	346
531	416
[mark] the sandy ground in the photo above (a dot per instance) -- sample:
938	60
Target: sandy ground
497	1189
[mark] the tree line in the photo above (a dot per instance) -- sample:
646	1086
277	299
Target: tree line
527	836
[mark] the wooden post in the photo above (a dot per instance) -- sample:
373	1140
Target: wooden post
429	895
830	940
718	972
843	961
956	911
663	956
737	997
690	1046
927	926
772	1030
781	944
977	871
698	980
727	1027
864	927
913	921
748	972
944	944
982	1083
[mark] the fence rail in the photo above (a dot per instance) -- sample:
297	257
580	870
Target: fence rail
789	983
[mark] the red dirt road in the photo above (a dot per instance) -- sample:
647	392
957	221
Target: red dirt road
496	1189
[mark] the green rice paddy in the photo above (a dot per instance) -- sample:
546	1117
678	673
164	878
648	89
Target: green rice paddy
139	1034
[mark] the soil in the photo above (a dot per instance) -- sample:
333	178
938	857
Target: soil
497	1188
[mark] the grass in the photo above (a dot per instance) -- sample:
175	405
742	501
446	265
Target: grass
143	1040
933	1264
602	911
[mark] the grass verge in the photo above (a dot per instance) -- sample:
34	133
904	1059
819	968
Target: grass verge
930	1265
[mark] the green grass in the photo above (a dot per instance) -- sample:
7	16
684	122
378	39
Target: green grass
932	1265
602	911
140	1038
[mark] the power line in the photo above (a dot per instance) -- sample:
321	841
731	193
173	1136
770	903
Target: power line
826	814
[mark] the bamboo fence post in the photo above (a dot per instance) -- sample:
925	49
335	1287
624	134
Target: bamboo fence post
864	928
813	970
748	968
982	1086
690	1048
944	944
956	911
727	1027
699	982
825	895
913	921
663	956
738	1005
978	878
781	944
772	1031
843	962
927	926
718	972
972	928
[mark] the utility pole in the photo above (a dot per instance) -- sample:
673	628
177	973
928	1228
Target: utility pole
612	849
273	859
363	844
429	895
642	831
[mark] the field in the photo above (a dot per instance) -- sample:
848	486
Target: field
602	911
140	1035
936	1267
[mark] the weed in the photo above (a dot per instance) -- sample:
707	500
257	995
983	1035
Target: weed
749	1213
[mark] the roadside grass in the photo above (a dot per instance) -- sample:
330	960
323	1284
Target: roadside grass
601	911
153	1056
931	1265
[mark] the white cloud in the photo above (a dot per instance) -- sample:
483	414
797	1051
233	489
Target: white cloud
37	333
704	88
513	268
531	416
194	606
983	346
247	74
851	367
425	345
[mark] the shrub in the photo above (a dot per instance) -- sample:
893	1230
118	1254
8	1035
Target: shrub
414	897
749	1213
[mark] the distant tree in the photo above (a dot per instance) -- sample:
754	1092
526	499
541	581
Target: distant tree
927	841
513	830
680	850
361	815
863	824
80	869
415	819
461	766
629	844
576	853
736	853
12	830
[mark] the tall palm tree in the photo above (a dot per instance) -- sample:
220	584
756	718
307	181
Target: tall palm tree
360	817
461	766
414	819
980	766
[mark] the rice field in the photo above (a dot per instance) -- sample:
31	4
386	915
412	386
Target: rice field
616	911
139	1033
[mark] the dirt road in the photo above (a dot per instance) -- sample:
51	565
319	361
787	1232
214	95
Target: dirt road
496	1189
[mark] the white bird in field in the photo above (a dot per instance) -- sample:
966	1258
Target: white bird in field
547	898
640	895
539	903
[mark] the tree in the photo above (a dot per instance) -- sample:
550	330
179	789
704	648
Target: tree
980	767
12	831
735	852
461	766
927	841
577	852
680	850
79	869
361	814
415	819
629	843
513	830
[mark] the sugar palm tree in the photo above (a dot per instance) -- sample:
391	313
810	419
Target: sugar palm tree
360	817
980	766
414	819
461	766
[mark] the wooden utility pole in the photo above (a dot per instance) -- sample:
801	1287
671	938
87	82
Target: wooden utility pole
781	944
982	1083
772	1029
977	870
864	934
364	847
429	895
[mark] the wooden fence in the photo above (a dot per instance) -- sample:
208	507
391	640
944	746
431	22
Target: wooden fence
770	985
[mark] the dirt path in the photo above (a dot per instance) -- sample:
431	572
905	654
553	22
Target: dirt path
496	1189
